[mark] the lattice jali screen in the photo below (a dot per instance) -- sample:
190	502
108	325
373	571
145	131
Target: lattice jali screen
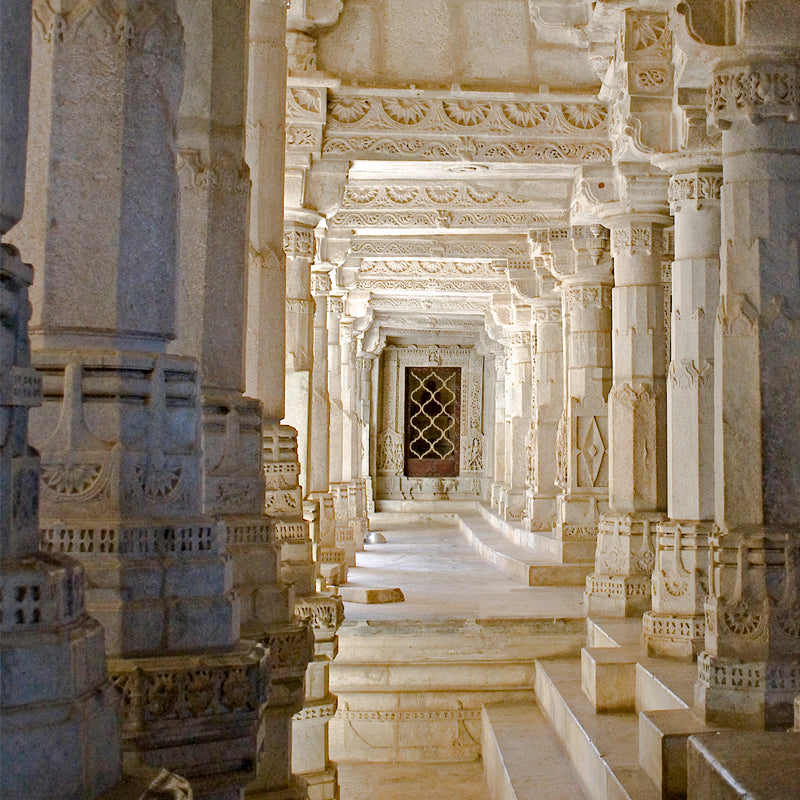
432	421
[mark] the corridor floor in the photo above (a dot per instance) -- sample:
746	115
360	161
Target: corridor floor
441	577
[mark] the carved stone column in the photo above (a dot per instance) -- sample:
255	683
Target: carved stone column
620	585
348	496
748	672
266	108
298	245
546	413
325	614
582	459
518	415
51	652
367	365
680	578
329	558
119	430
335	310
498	480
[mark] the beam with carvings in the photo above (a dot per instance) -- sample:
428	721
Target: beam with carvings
506	248
448	204
465	126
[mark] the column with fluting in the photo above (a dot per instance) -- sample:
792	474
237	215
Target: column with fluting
620	585
675	626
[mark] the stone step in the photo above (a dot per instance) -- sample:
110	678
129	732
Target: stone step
529	565
602	748
565	551
522	757
536	541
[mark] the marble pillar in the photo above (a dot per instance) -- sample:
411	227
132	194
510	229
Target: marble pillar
518	419
749	670
367	367
620	585
335	310
298	245
582	452
499	454
51	651
266	279
310	761
211	317
675	626
119	428
328	557
547	396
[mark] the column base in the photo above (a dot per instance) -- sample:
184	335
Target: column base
673	635
747	694
512	504
621	584
540	512
576	527
196	715
617	595
58	712
322	785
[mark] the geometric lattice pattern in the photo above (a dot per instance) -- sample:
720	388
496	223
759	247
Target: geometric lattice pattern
432	419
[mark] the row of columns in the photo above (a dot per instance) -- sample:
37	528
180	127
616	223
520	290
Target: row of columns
683	471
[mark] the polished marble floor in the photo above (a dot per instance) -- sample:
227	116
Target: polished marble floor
442	577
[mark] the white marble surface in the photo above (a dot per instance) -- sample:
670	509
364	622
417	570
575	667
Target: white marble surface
441	576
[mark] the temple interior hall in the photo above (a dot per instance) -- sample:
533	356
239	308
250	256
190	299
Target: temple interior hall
399	398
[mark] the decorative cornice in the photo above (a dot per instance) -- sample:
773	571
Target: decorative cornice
445	219
435	305
428	269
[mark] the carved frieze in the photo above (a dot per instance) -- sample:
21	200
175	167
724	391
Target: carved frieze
466	128
440	247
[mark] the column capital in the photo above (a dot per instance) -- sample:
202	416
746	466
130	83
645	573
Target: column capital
320	283
298	240
698	187
335	304
755	90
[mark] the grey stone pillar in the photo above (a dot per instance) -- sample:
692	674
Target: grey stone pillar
119	430
51	652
